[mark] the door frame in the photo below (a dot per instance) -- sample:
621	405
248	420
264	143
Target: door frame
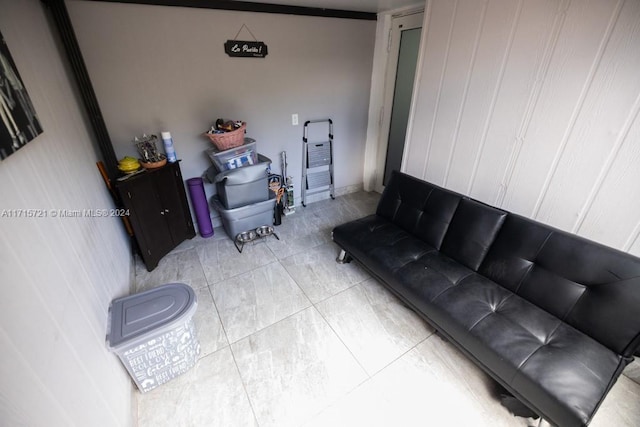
377	137
399	23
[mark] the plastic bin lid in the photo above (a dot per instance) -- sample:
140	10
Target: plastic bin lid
135	315
210	174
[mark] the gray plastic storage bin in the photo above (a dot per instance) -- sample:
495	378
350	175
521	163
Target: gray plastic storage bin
246	218
237	157
242	186
153	333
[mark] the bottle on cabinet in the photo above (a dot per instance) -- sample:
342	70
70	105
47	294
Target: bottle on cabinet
168	147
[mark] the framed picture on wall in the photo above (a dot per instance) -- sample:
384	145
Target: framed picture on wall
19	122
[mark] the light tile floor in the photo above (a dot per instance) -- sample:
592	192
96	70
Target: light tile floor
290	338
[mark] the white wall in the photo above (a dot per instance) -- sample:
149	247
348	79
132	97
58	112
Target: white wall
533	105
58	274
160	68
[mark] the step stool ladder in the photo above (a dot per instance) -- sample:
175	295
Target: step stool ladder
317	163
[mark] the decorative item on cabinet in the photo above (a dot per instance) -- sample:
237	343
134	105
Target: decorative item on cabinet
159	211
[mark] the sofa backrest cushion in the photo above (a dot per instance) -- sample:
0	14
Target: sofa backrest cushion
473	228
514	251
421	208
594	288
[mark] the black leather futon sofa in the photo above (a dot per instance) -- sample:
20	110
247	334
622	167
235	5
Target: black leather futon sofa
552	317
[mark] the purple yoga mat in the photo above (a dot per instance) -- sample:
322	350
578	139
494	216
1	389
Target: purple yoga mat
199	201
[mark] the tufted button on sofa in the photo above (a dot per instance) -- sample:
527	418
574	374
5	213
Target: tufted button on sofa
554	318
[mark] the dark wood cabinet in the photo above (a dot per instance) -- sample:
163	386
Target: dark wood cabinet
158	211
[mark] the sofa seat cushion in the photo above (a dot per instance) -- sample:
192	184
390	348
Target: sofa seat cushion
374	238
551	364
517	342
357	234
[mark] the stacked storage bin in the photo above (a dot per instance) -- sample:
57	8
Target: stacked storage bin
241	179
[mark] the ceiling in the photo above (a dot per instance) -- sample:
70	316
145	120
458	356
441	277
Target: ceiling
373	6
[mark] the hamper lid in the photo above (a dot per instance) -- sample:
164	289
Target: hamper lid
136	315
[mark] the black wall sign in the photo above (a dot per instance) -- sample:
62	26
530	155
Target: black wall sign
245	49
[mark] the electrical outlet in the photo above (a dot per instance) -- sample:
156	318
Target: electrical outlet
294	120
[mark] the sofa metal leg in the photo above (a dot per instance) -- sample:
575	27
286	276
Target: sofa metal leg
343	257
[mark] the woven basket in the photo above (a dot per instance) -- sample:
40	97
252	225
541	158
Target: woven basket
227	140
154	165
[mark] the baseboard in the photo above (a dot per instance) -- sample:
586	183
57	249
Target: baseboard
342	191
134	404
216	221
132	269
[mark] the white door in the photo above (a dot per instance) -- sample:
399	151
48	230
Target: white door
404	46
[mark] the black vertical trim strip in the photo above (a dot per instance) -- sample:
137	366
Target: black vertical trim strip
60	16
